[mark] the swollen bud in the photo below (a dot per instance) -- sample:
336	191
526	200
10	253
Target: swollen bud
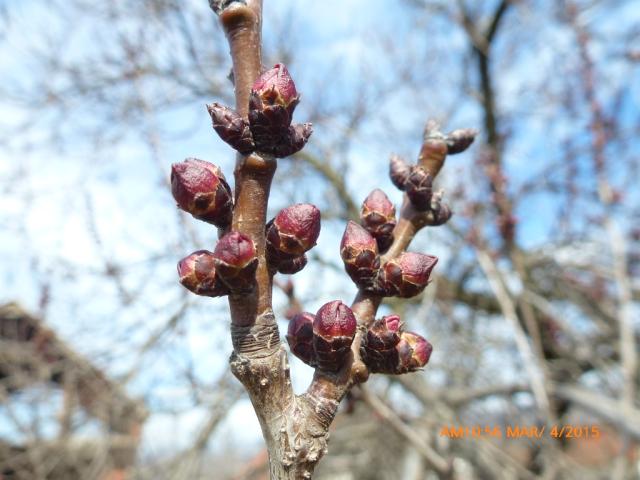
333	330
419	188
378	216
406	275
276	87
273	99
399	171
359	252
459	140
414	352
198	274
236	261
292	232
200	189
300	337
231	127
411	353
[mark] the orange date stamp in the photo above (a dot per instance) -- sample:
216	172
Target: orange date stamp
567	431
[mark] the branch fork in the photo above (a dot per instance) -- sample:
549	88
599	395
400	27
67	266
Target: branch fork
344	344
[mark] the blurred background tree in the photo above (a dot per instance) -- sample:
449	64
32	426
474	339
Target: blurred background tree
534	311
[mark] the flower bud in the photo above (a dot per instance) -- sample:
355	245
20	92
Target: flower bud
414	352
300	337
406	275
359	252
411	353
198	274
399	171
419	188
296	138
292	232
459	140
200	188
293	265
236	261
276	87
384	333
271	104
231	127
333	330
378	216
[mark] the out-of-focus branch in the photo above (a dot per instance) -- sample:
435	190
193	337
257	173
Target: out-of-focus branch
535	370
435	460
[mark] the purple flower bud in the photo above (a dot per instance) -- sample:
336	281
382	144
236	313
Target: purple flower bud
333	330
236	261
198	274
292	232
459	140
271	105
406	275
296	139
410	353
419	188
378	345
200	188
293	265
300	337
359	252
378	216
231	127
384	333
399	171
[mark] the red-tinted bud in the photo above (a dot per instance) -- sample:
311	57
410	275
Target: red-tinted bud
419	188
292	232
200	188
359	252
378	216
236	261
406	275
232	128
198	274
293	265
384	333
378	345
276	87
399	171
333	330
271	105
459	140
410	353
414	352
300	337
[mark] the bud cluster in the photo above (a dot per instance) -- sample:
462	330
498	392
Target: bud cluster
291	233
403	276
268	127
324	339
417	180
230	268
200	189
386	348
